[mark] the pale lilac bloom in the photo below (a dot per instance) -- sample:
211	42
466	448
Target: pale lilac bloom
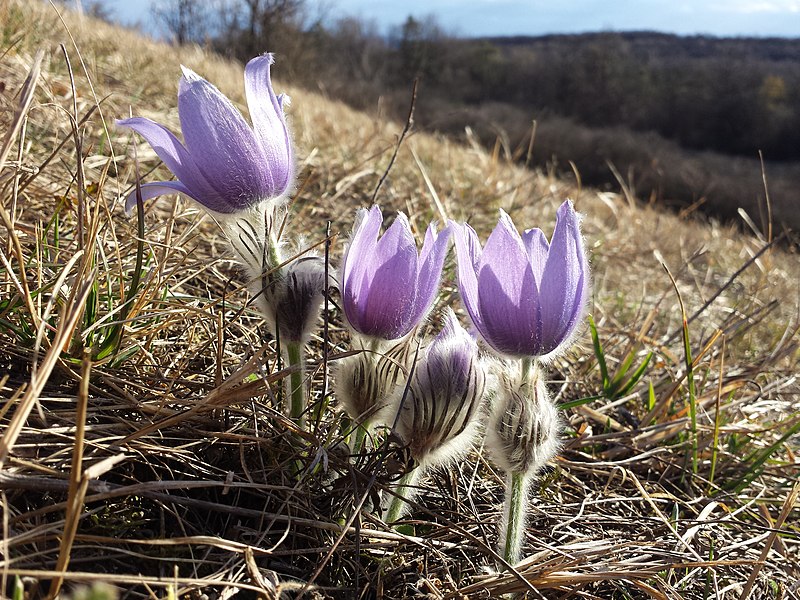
524	295
387	286
224	164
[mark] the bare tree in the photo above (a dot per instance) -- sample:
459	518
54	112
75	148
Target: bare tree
185	20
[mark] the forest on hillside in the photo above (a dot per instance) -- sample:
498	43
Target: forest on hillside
684	121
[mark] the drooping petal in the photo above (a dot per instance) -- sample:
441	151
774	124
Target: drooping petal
431	261
468	258
158	188
222	144
177	159
269	123
564	280
537	246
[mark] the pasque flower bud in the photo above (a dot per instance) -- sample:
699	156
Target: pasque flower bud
365	382
437	414
524	424
521	437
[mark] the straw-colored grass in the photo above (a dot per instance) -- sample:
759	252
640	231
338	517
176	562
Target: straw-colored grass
159	460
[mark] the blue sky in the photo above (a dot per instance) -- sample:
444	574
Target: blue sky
532	17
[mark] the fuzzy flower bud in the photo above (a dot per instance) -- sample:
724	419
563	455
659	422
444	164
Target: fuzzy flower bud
365	382
295	297
524	424
522	436
290	297
437	416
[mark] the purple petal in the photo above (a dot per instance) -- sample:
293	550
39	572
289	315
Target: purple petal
266	112
506	256
537	247
379	277
177	159
391	277
507	294
454	342
468	254
431	260
158	188
564	280
222	144
355	284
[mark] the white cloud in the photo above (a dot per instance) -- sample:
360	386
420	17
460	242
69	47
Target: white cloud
759	6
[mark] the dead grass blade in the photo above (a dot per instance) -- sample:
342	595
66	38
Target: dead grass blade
23	106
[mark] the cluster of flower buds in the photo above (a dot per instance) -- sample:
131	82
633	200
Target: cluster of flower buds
524	295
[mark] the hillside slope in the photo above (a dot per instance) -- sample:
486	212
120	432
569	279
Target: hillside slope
189	471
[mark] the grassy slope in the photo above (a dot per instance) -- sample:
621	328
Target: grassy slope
621	515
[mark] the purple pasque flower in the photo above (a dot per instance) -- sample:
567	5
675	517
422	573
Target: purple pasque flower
524	295
387	286
223	163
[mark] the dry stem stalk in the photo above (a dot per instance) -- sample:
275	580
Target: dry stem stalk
78	482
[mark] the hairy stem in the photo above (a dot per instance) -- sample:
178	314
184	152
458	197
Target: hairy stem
359	437
517	486
297	393
406	490
527	364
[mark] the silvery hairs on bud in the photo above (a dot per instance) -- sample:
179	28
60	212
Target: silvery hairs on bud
365	382
295	295
524	425
522	436
253	237
290	296
437	413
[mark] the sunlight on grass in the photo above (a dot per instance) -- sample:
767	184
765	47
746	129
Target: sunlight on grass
144	443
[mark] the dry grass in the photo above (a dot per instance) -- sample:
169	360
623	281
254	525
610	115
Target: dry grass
159	458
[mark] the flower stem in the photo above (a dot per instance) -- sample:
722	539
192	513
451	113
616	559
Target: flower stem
405	490
359	437
527	365
294	356
515	508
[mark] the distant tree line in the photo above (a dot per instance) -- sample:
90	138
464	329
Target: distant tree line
635	100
